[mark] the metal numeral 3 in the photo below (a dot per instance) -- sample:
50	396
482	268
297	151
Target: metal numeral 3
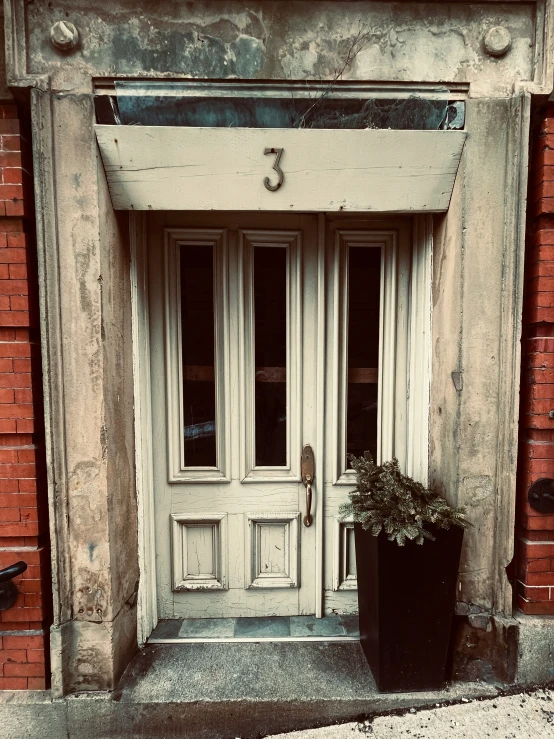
277	168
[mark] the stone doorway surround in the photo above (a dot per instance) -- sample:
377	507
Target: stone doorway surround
85	282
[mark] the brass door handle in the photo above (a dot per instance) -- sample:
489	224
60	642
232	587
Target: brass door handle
308	517
308	470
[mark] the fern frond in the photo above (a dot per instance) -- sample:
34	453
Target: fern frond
386	500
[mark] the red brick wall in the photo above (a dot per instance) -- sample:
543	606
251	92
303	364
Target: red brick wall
535	531
23	509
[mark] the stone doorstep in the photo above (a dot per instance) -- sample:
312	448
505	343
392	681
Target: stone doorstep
217	691
256	629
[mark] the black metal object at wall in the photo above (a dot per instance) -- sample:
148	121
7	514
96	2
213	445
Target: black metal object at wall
406	603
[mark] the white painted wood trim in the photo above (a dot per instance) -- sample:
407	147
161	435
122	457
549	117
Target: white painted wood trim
186	168
215	239
292	242
419	377
147	610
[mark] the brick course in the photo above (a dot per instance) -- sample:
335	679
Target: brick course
534	586
23	511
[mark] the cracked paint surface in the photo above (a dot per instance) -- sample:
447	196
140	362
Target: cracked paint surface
279	40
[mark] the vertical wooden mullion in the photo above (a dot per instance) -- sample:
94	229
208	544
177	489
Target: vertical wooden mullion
339	352
387	351
220	250
320	419
295	364
290	371
401	358
246	331
174	276
173	351
234	355
417	427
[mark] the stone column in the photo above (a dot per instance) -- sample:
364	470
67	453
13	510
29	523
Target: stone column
87	352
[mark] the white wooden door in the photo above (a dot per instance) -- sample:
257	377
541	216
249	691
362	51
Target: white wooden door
234	303
269	332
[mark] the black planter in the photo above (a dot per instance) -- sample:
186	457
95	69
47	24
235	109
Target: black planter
406	599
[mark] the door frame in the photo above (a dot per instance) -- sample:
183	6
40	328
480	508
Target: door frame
419	376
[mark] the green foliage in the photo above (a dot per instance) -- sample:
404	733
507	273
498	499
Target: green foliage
386	500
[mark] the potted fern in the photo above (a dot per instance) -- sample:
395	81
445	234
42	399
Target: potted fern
408	545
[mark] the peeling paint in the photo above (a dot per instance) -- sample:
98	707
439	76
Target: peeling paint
283	40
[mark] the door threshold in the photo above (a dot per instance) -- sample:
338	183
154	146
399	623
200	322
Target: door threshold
251	639
335	627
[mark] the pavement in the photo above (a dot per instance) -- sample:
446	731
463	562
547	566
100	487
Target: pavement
525	715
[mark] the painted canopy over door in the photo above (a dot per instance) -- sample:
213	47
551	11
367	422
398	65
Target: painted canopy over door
268	332
186	168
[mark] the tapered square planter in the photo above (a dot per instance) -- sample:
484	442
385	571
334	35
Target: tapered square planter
406	601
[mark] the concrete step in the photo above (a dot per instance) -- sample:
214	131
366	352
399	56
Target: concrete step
224	690
216	691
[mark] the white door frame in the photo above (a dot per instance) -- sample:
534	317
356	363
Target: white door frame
147	606
417	426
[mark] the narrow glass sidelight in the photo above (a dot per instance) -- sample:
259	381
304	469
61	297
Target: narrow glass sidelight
198	355
364	286
270	355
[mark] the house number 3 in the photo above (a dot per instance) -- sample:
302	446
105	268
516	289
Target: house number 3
277	168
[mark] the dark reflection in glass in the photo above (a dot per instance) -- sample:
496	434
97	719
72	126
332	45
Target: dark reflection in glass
270	312
197	327
364	283
150	105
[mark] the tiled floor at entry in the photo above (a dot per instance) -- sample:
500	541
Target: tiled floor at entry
268	628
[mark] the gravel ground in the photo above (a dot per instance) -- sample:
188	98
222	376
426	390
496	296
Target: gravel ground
528	715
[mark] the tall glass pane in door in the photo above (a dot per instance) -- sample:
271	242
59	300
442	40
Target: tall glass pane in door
364	284
198	355
270	355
